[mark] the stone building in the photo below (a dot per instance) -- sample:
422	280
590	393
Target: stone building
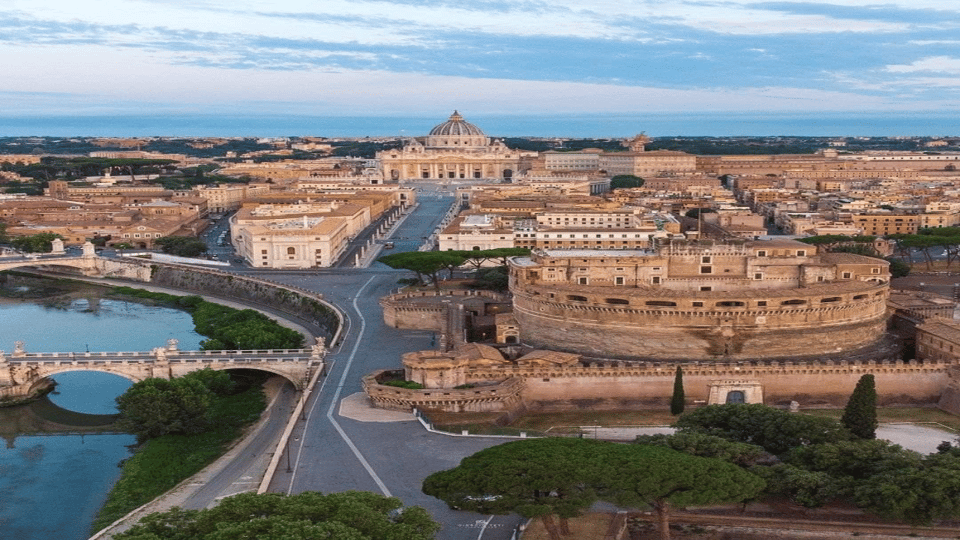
700	301
455	149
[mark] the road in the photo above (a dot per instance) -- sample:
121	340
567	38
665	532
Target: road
232	479
332	453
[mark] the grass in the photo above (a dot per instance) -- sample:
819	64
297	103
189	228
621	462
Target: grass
908	415
544	423
569	422
162	463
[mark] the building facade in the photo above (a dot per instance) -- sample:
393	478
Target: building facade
455	149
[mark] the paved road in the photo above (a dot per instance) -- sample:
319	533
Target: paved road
233	478
331	453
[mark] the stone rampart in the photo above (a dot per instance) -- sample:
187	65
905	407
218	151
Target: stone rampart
764	324
618	385
502	396
808	383
428	310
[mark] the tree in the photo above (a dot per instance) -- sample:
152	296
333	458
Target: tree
860	414
898	268
352	515
36	243
677	401
626	181
698	444
422	263
663	479
155	407
775	430
181	246
543	477
535	477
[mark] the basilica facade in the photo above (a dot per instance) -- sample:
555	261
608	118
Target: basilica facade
455	149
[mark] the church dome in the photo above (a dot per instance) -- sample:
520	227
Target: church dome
456	126
456	132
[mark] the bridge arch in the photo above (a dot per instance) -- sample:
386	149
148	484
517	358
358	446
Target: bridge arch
70	368
295	381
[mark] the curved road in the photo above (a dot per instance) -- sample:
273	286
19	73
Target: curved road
332	453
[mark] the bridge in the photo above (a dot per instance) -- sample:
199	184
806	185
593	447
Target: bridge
88	263
23	374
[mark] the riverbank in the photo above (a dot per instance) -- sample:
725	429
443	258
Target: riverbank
188	493
203	488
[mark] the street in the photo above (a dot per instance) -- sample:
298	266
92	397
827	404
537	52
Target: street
331	453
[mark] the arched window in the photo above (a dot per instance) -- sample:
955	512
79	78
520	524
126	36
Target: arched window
736	396
291	251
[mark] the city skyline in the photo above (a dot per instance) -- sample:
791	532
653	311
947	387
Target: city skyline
404	58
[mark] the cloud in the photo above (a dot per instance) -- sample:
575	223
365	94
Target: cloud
933	64
685	47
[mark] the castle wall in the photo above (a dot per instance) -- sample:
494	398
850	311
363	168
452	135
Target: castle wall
639	385
814	385
426	310
620	323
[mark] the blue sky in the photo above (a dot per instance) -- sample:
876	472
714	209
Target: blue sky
410	57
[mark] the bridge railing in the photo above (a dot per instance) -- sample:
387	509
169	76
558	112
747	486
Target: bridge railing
246	355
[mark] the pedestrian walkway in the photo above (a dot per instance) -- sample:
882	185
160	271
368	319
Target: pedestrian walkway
359	407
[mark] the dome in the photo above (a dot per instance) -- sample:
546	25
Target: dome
456	126
457	133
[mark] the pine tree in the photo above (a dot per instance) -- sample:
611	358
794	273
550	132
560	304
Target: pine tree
677	401
860	414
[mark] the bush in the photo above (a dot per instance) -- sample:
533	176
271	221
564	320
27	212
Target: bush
409	385
777	431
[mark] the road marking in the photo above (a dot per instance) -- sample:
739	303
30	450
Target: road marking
487	522
336	396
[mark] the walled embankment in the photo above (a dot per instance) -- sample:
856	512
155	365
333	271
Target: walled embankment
306	305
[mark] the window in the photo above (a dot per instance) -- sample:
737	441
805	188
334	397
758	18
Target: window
576	298
698	304
730	303
618	280
263	252
656	280
762	303
802	253
847	275
762	253
583	281
874	270
706	289
793	302
618	301
758	275
291	251
706	269
830	300
705	259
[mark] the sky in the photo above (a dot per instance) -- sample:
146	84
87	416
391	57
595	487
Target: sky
525	57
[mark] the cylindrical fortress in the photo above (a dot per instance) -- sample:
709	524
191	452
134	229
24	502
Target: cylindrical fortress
833	303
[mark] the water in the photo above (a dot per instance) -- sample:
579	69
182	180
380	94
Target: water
52	486
600	125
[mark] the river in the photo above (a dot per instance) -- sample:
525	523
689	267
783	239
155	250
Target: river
53	484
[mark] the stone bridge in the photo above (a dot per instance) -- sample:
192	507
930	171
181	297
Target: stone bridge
88	263
23	374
